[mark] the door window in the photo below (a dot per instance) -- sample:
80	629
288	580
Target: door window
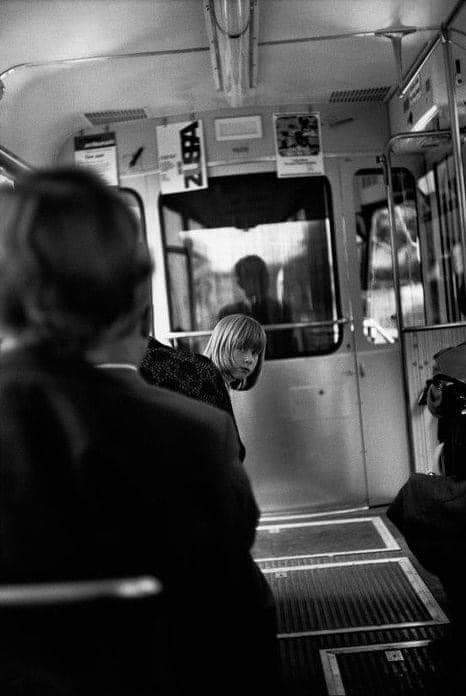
375	254
439	227
257	245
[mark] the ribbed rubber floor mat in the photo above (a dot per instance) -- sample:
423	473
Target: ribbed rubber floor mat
335	597
310	539
390	669
302	666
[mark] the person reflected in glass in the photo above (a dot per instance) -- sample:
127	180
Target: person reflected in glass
252	277
458	269
381	304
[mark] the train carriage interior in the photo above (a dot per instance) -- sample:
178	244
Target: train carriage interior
326	139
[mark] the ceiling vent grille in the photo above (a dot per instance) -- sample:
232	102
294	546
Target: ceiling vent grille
103	118
373	94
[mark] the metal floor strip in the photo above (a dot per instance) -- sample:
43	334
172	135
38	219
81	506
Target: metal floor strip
304	538
265	519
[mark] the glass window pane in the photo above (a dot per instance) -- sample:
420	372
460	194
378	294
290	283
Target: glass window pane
135	203
375	254
275	264
439	227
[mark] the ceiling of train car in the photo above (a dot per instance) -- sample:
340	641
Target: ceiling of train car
43	104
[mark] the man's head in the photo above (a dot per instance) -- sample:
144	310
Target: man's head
252	276
73	271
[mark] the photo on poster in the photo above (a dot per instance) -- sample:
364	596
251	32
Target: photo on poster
298	144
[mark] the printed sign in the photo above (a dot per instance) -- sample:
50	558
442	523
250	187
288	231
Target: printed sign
98	152
181	157
298	144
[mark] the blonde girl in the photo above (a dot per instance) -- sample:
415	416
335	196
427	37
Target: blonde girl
237	347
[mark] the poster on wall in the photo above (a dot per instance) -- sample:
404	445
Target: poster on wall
298	144
181	156
99	153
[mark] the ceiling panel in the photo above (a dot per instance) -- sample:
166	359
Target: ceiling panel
324	17
43	105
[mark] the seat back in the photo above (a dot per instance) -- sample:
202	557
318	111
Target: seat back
81	638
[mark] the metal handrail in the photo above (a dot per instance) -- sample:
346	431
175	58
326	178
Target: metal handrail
12	164
434	327
266	327
424	55
106	57
415	135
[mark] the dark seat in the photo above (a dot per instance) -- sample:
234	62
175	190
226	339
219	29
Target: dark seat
83	638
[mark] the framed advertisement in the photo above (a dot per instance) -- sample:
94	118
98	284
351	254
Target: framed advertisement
298	144
181	156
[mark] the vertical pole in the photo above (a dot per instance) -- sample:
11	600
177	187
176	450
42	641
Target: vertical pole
384	160
456	141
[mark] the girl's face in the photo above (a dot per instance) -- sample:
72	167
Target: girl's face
244	363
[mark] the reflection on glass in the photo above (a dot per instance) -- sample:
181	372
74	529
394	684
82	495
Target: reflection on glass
279	272
253	281
135	204
439	227
375	256
271	272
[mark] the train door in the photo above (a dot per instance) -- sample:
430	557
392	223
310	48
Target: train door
274	247
377	346
441	247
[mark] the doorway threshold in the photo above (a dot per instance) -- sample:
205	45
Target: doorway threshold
266	518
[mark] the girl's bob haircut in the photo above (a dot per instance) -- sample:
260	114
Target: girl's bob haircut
236	332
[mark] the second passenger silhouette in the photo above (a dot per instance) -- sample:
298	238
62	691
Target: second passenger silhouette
252	277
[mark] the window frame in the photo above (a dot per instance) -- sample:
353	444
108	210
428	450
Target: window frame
365	271
334	277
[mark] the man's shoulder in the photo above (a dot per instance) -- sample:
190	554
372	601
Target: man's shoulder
184	423
37	371
85	388
172	403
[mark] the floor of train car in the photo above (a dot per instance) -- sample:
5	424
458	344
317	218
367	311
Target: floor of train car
357	613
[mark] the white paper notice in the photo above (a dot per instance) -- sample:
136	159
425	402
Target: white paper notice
99	153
